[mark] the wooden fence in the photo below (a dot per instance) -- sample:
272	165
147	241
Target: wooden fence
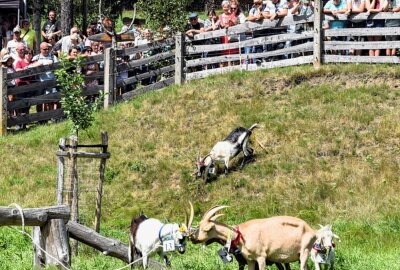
255	45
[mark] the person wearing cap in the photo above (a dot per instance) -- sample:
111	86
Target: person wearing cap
28	34
194	27
52	27
12	44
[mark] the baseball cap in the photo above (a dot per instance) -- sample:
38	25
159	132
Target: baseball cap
193	15
75	36
17	29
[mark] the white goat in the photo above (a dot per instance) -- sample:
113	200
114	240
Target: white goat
323	252
149	236
224	150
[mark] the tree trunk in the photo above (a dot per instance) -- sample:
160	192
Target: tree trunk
66	16
37	10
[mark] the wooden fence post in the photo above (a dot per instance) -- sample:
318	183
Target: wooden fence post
179	58
109	77
3	101
72	185
60	174
318	38
99	193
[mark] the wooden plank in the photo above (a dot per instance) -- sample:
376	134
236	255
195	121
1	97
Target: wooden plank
31	87
361	59
3	101
254	26
103	37
289	62
33	71
318	38
356	32
27	102
180	59
144	61
60	172
155	86
196	49
33	216
145	47
73	187
148	74
363	16
108	246
109	77
31	118
52	237
99	191
84	154
366	45
305	47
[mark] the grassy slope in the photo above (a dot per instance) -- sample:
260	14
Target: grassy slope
330	137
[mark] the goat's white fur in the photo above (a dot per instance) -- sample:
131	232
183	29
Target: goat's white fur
325	238
148	238
225	150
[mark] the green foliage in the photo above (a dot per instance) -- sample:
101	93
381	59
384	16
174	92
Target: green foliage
78	109
158	14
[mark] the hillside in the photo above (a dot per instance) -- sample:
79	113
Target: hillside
327	151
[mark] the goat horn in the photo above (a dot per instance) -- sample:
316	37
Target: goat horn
211	213
214	218
189	224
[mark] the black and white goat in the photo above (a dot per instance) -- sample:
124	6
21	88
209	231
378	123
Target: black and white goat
230	147
149	236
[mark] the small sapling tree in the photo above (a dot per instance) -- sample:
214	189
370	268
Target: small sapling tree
158	14
77	108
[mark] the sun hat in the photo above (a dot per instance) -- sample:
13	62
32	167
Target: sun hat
6	57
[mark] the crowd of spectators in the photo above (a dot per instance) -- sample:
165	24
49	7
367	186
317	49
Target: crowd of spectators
18	53
272	10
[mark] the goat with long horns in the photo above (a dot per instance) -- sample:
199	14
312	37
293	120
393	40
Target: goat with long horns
280	239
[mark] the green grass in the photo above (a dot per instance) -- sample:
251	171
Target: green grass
326	151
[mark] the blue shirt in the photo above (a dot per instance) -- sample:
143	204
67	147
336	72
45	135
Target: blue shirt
331	6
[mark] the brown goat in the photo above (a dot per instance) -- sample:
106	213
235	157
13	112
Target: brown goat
282	239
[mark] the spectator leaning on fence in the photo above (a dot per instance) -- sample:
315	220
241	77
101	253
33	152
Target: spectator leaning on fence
375	6
45	58
20	53
275	9
194	27
356	7
395	7
68	41
336	7
7	61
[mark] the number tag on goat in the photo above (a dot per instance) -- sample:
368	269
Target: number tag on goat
168	245
211	170
321	258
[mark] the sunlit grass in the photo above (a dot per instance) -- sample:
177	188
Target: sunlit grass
326	151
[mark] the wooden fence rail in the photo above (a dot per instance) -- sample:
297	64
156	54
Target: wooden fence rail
176	60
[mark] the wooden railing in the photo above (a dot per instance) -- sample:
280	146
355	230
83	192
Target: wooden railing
181	59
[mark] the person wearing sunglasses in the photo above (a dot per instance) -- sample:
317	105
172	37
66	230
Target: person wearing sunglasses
28	34
194	27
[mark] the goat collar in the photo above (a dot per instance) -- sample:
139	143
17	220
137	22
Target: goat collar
202	163
159	233
239	236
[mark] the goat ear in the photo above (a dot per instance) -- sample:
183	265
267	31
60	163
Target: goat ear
321	226
208	227
336	237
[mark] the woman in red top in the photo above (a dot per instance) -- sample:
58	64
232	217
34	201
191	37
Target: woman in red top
22	65
226	19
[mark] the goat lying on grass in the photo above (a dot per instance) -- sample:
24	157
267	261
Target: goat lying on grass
323	252
225	150
280	239
149	235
